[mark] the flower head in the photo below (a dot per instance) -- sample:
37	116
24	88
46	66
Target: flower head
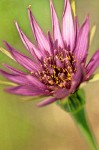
59	62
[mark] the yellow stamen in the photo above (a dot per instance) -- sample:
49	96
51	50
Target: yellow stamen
6	53
92	33
73	7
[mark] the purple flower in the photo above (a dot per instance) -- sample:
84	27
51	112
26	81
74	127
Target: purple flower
59	65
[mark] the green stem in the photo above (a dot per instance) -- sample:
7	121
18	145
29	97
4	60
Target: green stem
74	104
82	122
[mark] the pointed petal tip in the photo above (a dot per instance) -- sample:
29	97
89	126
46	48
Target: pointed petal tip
87	19
16	23
68	31
10	89
93	64
29	7
65	6
38	34
5	43
55	26
4	64
30	13
8	46
81	50
7	90
38	105
51	3
17	26
46	102
68	4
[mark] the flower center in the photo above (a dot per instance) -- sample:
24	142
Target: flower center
57	70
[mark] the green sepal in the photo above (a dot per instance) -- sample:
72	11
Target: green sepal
74	102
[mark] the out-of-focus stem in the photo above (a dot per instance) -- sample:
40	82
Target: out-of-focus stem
82	123
75	105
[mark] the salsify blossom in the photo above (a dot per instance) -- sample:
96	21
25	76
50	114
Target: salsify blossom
59	64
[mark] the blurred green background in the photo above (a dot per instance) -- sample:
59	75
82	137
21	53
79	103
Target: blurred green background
23	126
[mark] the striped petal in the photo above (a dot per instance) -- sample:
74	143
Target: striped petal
20	79
51	43
81	49
62	92
13	70
76	26
68	26
92	65
38	33
22	59
79	76
36	82
47	101
30	47
25	90
55	26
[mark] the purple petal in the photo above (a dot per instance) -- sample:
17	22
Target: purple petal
79	76
22	59
25	90
92	65
51	43
76	26
32	48
62	92
55	26
47	101
68	26
15	78
13	70
36	82
38	33
83	40
77	79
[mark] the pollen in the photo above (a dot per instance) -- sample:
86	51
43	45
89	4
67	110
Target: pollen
57	71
